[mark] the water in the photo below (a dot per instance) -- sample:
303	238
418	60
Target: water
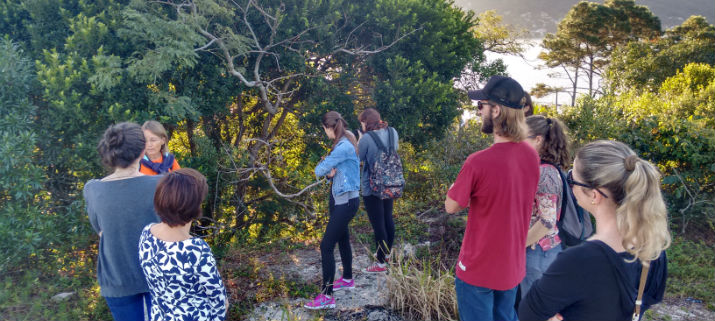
529	70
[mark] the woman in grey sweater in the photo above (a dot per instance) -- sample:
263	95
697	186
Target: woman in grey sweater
379	210
119	206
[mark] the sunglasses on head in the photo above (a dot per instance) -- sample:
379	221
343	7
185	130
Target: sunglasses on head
481	105
572	182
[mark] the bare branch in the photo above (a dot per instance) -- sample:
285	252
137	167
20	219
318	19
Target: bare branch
361	52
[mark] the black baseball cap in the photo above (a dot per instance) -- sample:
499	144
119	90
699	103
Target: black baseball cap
502	90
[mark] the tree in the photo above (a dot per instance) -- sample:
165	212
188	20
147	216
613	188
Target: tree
291	61
646	64
589	33
22	225
498	37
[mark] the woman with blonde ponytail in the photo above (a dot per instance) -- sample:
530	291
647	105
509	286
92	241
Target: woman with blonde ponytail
599	279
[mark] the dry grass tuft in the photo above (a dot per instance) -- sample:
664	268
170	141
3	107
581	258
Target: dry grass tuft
419	292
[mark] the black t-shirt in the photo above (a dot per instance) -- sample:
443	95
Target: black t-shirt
592	282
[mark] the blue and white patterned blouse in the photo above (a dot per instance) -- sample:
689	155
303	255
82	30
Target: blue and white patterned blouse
183	279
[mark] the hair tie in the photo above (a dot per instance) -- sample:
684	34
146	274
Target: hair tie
630	162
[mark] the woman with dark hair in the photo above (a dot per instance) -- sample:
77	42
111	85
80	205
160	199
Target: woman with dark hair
621	270
119	206
157	159
548	137
379	210
343	168
180	269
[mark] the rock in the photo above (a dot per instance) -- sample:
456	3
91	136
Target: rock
378	316
62	296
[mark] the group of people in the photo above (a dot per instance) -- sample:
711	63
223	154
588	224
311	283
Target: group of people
342	167
150	267
514	192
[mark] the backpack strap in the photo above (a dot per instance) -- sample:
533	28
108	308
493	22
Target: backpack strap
378	141
641	287
390	135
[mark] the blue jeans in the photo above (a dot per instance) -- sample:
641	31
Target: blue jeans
477	303
130	308
537	261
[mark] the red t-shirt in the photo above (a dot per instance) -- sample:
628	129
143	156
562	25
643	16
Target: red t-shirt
498	185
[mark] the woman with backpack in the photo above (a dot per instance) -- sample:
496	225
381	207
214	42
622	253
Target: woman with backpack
376	135
342	167
621	270
548	137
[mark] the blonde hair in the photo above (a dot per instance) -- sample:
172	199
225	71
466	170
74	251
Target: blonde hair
157	129
634	183
510	123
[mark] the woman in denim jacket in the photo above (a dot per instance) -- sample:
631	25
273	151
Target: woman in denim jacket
343	167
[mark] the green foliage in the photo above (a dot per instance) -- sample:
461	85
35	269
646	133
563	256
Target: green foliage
673	129
416	102
22	224
646	64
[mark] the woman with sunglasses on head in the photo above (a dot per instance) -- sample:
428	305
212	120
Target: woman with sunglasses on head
599	279
342	167
548	137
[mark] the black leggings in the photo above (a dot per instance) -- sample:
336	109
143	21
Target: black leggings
380	213
337	232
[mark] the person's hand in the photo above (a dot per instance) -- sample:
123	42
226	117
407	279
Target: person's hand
557	317
332	173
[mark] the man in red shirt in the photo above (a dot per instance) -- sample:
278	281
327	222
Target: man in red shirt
498	185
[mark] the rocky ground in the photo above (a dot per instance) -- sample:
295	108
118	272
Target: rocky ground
367	301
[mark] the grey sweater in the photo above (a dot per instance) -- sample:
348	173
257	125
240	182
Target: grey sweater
368	152
120	209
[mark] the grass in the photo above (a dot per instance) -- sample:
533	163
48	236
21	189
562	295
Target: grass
419	292
691	270
27	295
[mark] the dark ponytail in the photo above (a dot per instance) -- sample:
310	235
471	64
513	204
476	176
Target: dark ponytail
332	119
555	148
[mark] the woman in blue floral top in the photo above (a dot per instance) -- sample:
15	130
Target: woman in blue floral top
548	137
180	269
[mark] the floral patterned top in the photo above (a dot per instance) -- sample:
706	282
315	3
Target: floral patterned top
547	206
183	279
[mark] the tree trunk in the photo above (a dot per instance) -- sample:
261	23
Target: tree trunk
190	126
575	86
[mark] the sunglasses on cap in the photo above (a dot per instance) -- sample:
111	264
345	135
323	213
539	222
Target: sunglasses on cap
572	182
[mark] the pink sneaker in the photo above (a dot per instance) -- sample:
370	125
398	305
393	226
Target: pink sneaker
342	284
321	302
375	268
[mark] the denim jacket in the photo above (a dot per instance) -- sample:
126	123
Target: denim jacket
345	160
